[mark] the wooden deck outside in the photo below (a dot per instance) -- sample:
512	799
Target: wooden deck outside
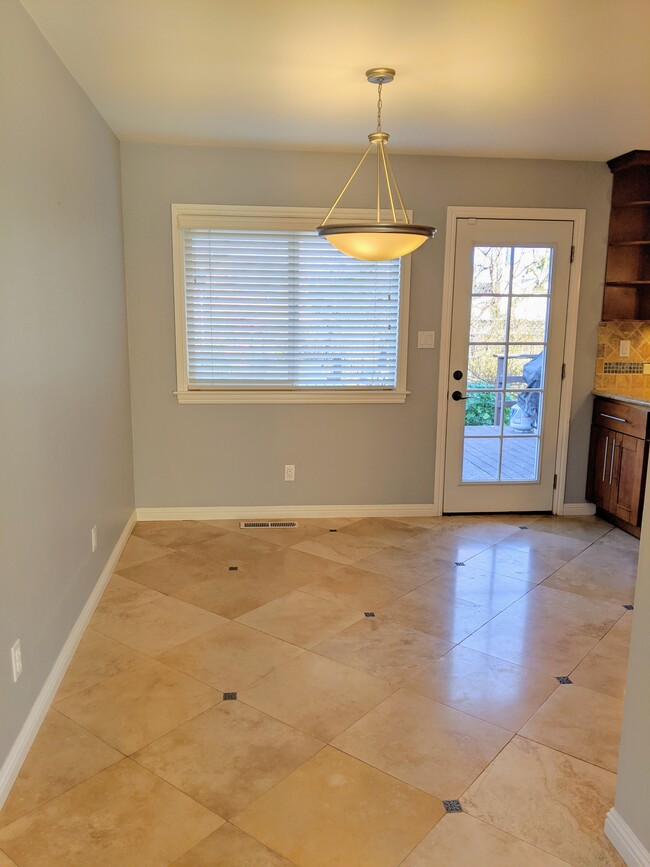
481	456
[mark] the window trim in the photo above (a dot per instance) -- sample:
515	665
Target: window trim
297	219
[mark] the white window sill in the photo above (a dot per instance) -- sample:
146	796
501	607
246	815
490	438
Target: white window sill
306	396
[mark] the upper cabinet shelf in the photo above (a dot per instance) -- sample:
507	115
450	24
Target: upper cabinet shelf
628	258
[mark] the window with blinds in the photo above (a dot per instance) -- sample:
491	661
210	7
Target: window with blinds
279	309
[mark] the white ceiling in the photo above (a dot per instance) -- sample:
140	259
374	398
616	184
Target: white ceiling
563	79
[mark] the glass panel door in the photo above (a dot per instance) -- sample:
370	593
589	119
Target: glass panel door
510	294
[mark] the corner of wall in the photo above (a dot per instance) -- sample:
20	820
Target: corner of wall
18	752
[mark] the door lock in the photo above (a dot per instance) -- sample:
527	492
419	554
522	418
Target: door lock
457	374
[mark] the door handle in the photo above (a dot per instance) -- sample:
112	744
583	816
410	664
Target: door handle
456	395
611	466
605	458
614	417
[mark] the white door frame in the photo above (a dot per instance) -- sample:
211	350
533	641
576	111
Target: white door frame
454	213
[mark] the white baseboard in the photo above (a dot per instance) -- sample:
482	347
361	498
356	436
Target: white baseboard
17	754
625	841
229	513
574	510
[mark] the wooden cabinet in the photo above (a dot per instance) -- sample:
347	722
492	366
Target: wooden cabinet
599	486
617	462
626	488
627	275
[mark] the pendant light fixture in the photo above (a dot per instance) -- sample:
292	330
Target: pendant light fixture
377	241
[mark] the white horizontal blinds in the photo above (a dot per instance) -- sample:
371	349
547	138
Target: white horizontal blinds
237	308
275	309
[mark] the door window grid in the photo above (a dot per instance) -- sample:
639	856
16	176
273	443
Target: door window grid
503	418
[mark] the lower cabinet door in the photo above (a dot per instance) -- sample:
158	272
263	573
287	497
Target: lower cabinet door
627	462
600	466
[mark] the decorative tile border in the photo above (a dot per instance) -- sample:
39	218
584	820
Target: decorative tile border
623	367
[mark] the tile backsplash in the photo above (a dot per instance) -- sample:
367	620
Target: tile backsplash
618	375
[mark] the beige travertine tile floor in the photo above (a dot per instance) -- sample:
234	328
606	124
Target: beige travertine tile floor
348	731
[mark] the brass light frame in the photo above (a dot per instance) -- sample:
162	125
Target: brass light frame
418	233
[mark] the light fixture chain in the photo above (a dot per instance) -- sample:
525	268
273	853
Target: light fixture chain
379	105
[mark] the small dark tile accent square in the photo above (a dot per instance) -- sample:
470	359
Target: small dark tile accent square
368	613
629	607
333	531
233	568
564	679
452	806
458	563
230	696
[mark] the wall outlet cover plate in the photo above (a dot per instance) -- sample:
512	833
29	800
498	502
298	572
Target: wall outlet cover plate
426	339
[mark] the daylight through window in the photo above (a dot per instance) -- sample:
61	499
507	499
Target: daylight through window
281	310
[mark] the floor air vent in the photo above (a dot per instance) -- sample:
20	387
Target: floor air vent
263	525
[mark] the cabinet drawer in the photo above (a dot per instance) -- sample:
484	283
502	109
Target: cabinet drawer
622	417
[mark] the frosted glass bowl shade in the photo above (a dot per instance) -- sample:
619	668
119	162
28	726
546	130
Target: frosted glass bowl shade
376	242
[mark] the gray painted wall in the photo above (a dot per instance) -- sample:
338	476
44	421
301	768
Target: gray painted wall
65	436
234	455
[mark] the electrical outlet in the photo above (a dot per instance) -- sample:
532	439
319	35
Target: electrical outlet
289	472
16	660
624	348
646	367
93	538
